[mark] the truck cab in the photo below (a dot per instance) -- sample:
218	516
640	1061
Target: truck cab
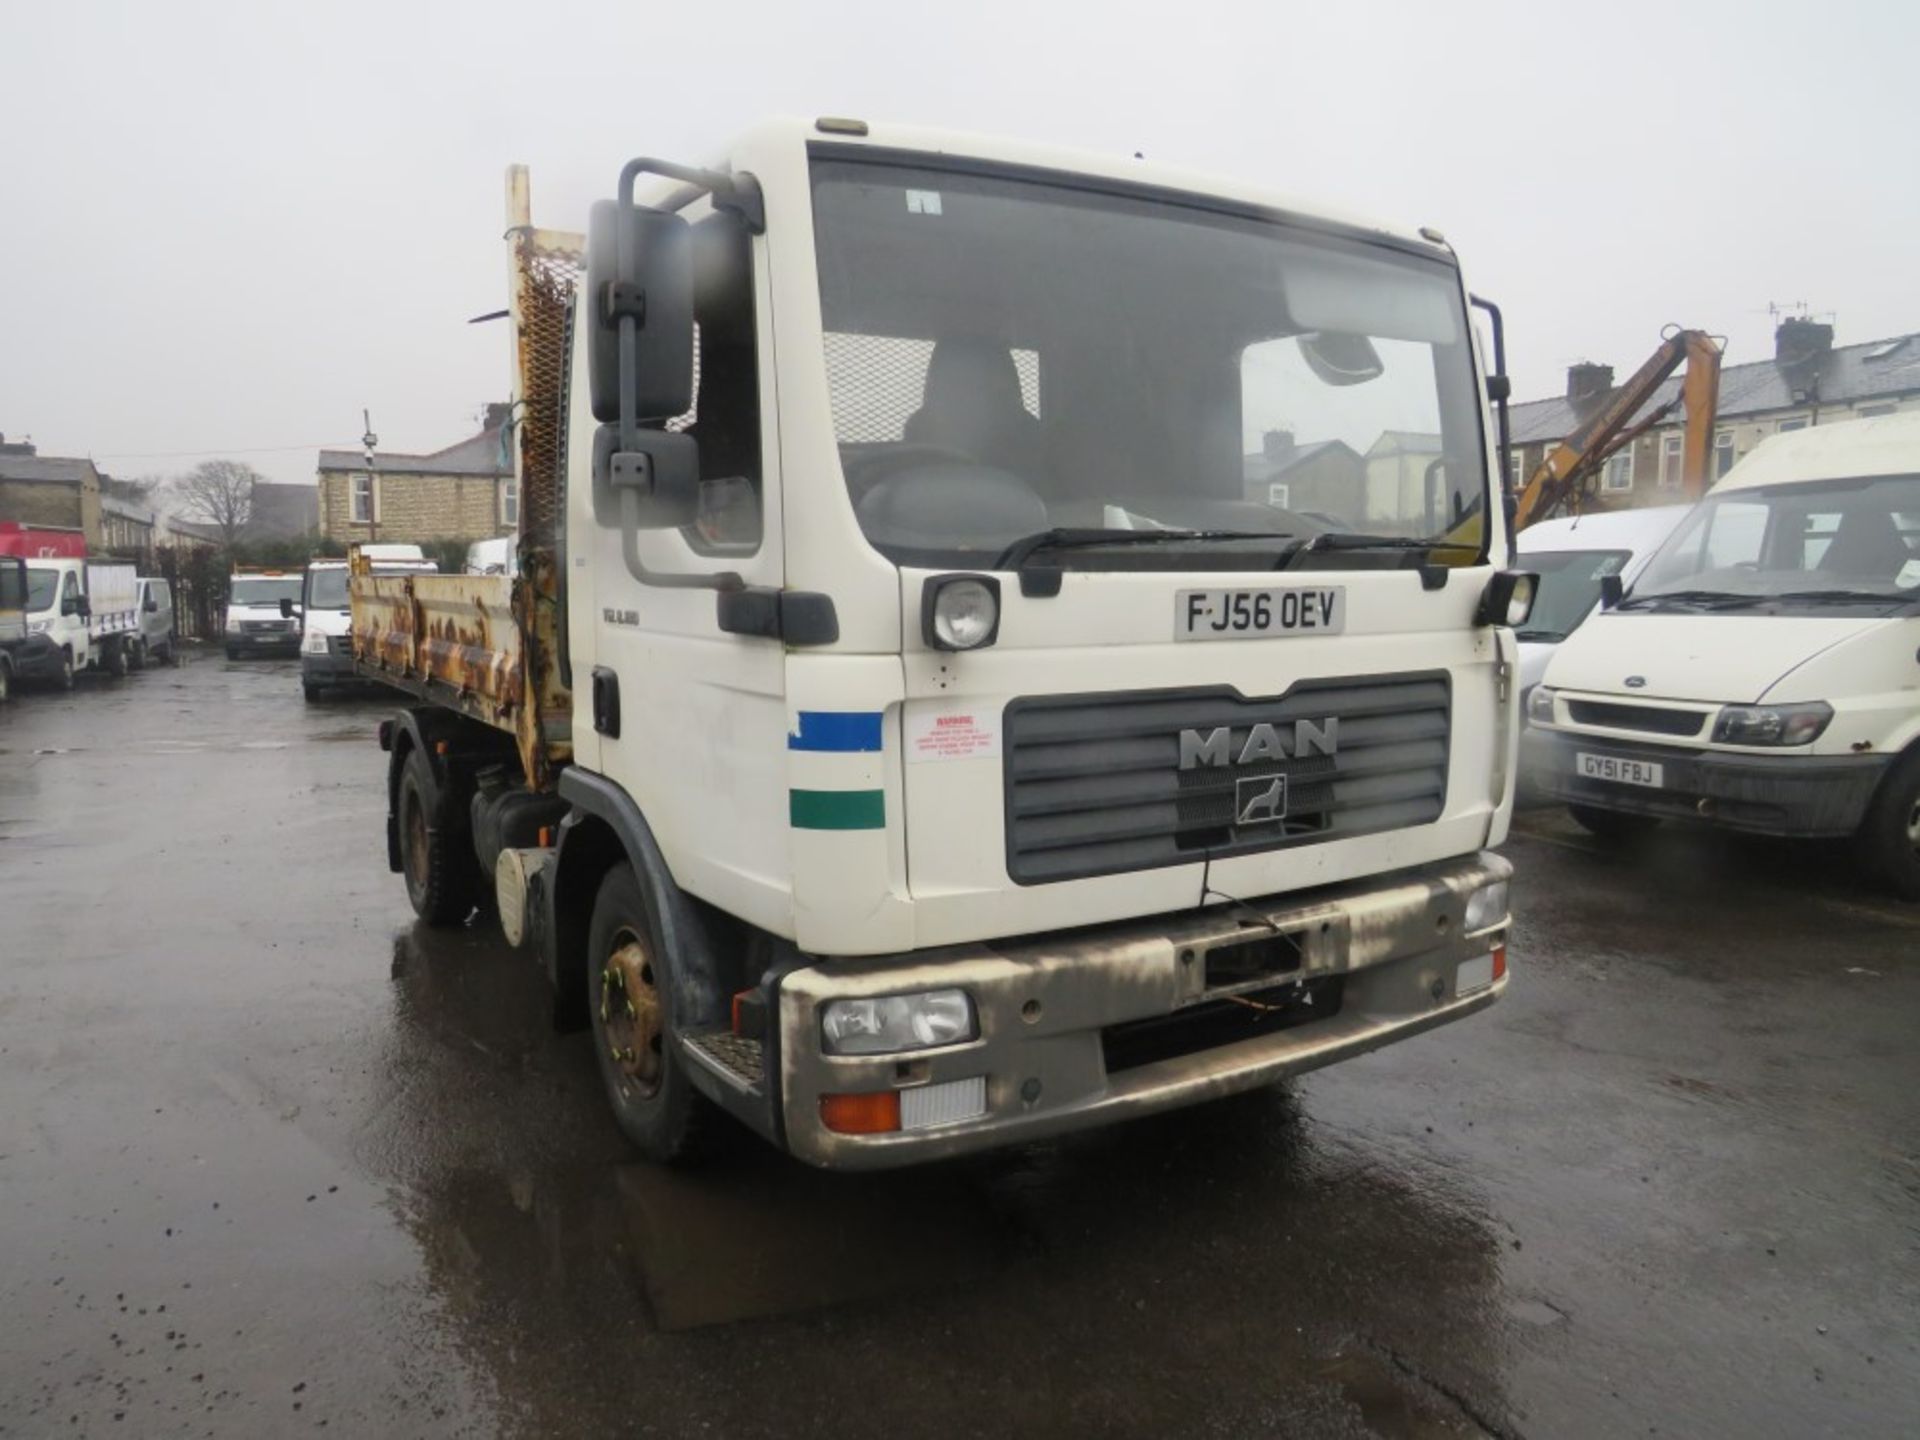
13	620
1763	671
255	625
930	733
322	612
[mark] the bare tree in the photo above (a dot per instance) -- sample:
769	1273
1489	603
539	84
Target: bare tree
219	492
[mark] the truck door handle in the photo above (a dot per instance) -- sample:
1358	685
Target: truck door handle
606	702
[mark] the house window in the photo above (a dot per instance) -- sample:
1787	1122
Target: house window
1722	453
1869	412
1519	469
1277	496
510	502
1670	446
362	500
1619	471
1798	422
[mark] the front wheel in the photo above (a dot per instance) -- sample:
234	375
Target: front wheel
312	692
137	656
114	662
634	1029
1612	824
1890	835
65	678
233	652
438	866
6	682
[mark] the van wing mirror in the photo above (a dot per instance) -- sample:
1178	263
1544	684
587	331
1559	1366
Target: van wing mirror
286	607
1612	588
152	605
639	303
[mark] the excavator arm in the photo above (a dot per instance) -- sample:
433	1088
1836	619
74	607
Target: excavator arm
1567	466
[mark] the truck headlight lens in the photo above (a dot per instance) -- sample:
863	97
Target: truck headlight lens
1539	706
40	627
960	612
1487	906
233	626
314	643
1772	724
894	1023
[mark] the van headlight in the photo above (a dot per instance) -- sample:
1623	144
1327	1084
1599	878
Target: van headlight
40	627
1539	706
893	1023
314	643
1487	907
1772	724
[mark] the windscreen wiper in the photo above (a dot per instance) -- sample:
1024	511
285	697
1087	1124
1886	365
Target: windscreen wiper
1713	599
1332	541
1870	597
1023	549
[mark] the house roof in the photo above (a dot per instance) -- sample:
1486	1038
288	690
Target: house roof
1261	466
1849	373
482	454
51	468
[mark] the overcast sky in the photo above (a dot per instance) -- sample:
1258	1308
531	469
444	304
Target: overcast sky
225	228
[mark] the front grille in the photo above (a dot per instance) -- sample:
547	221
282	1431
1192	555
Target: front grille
341	645
1094	784
266	627
1651	718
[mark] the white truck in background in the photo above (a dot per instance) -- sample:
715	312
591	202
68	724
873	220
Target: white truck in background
927	741
326	650
257	623
81	615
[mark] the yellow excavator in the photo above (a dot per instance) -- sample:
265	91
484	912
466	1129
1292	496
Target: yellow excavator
1562	477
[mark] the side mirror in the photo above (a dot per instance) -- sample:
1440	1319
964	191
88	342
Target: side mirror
70	605
286	608
660	469
1612	587
83	607
152	607
639	280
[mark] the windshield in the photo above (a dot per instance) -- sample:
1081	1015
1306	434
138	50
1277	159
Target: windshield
1812	544
1007	357
267	590
42	586
327	589
1569	588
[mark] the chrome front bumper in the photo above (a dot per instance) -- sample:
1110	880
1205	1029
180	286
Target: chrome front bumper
1048	1007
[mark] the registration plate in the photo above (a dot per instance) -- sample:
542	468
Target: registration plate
1619	770
1253	614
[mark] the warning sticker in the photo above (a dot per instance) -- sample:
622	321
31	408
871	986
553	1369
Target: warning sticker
952	734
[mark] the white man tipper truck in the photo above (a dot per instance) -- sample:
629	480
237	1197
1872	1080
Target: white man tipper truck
913	726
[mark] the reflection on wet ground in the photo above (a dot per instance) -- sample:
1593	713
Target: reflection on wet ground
276	1158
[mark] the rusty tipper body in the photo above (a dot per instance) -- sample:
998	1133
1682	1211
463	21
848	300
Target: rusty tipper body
918	723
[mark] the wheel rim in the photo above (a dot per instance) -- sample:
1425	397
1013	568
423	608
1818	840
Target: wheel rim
416	842
632	1020
1913	824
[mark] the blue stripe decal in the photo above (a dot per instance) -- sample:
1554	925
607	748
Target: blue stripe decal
837	730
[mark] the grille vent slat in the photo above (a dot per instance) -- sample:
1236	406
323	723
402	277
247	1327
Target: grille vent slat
1094	785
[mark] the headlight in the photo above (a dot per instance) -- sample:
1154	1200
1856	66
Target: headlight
40	627
960	612
1539	706
1487	906
233	626
897	1022
1772	724
314	644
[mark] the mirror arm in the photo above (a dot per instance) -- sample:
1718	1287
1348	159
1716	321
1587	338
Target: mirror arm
630	552
738	195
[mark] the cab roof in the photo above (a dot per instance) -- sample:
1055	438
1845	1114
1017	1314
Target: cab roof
1884	445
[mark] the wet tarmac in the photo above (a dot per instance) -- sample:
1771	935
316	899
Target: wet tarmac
274	1161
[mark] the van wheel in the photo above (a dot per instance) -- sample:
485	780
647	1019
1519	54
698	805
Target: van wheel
1612	825
630	999
439	867
6	682
65	678
137	656
232	653
114	662
312	692
1890	836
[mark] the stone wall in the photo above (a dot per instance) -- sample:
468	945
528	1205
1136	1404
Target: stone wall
412	507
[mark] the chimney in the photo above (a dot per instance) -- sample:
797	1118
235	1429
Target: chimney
1799	341
498	416
1587	385
17	447
1277	445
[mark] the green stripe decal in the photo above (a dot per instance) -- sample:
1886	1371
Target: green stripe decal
837	809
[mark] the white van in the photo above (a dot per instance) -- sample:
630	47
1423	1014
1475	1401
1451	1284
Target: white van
326	647
1572	557
1763	672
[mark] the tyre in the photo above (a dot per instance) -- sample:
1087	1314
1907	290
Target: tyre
1890	835
437	863
64	679
233	652
1612	824
137	655
6	682
311	691
631	1011
114	662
